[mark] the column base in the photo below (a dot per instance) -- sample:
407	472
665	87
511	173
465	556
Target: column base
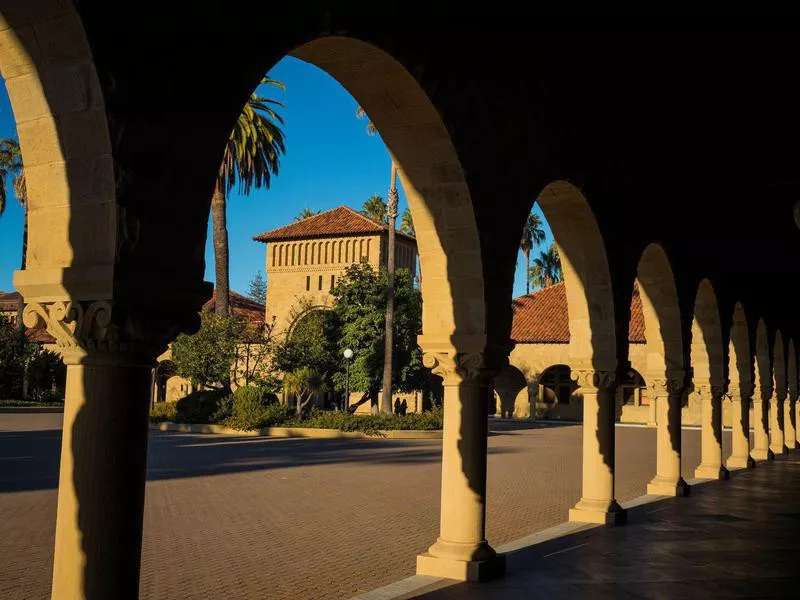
760	454
792	445
777	450
739	462
651	425
461	570
711	472
600	512
663	487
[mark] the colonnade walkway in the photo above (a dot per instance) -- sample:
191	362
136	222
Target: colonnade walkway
731	539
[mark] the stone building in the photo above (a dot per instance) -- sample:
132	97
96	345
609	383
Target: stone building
306	258
640	147
538	381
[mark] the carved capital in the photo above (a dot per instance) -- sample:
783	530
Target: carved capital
666	386
91	329
766	392
590	380
455	368
780	394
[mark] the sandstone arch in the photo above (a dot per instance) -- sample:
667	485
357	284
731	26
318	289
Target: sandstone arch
665	365
709	383
778	398
762	394
740	389
790	413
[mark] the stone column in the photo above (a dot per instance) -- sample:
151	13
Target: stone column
461	550
761	450
711	435
740	430
776	437
103	452
668	394
597	503
651	413
789	422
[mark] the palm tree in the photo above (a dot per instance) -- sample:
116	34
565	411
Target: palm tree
406	224
305	213
390	218
11	166
532	235
546	269
304	383
252	156
375	208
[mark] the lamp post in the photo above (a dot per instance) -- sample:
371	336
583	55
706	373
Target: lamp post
348	354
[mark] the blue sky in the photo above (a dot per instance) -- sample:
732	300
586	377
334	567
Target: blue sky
330	161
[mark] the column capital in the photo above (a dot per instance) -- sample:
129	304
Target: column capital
766	391
90	331
455	367
780	394
710	387
673	384
591	379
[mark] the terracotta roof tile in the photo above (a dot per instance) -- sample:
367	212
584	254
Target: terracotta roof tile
240	305
337	221
542	318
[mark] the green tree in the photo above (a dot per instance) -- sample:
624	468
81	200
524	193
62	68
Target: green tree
309	344
304	383
390	219
375	208
257	289
15	352
306	213
206	357
357	322
251	158
546	269
406	224
532	236
11	168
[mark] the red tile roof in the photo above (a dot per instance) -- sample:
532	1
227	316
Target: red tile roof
8	301
337	221
240	305
542	318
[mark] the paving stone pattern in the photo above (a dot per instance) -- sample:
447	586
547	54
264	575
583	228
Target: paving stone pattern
736	539
229	517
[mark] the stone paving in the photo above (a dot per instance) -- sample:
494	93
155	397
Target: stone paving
230	517
735	539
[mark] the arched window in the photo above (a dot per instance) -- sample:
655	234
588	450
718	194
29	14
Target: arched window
556	385
367	255
274	252
339	253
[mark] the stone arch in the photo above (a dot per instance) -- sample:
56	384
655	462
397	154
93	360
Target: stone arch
587	279
510	385
779	365
59	110
740	366
707	351
791	368
453	313
662	316
763	363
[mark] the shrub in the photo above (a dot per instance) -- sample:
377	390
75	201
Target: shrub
248	406
198	407
255	416
163	411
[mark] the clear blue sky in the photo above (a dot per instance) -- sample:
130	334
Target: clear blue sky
330	161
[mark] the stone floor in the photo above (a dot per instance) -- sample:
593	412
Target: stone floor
734	539
292	519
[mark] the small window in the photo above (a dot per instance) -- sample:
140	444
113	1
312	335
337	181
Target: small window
308	282
333	280
320	282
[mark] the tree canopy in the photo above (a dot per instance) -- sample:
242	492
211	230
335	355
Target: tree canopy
257	288
375	208
546	269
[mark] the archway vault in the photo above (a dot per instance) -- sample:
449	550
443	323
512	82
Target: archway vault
430	172
740	357
662	317
707	350
58	106
587	280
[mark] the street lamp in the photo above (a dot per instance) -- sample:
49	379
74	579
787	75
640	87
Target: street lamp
348	354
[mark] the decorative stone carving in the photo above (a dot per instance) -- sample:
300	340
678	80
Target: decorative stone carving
590	380
455	368
673	385
88	328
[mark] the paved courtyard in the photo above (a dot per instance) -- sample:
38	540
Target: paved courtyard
229	517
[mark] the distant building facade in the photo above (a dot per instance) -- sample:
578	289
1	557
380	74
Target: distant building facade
305	259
